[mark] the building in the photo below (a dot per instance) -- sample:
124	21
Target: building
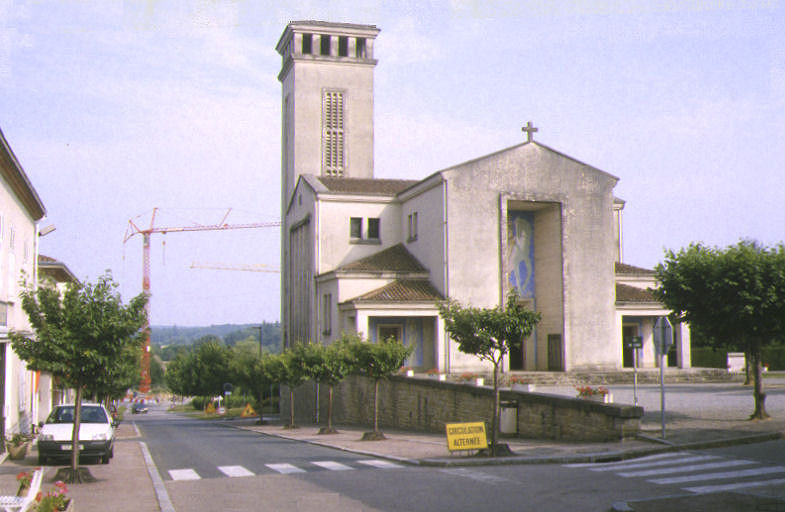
20	211
374	256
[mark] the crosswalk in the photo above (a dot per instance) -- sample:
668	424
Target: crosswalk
286	468
694	473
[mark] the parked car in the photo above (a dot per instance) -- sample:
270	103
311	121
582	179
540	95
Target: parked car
96	433
139	407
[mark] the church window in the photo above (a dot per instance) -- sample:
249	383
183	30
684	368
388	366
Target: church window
343	46
327	302
332	133
373	228
324	46
356	227
412	227
359	50
308	43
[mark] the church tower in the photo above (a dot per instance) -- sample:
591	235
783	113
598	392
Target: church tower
327	109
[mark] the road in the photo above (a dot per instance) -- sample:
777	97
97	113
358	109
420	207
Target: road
210	465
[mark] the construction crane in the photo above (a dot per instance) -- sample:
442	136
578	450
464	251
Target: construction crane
134	229
244	267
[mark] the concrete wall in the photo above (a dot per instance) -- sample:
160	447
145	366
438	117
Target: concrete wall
427	404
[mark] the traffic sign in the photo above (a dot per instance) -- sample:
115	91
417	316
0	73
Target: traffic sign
663	335
633	341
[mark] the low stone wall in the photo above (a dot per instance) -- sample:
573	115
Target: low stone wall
427	404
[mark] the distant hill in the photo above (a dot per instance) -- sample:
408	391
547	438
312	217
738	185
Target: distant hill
230	333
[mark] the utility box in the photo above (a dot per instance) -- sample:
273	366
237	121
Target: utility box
508	417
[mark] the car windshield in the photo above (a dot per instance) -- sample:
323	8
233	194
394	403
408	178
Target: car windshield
89	414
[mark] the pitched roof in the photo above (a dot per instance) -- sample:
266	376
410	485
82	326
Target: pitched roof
402	290
57	270
366	185
623	268
19	183
393	259
626	293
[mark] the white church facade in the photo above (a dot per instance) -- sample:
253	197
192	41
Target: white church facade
375	256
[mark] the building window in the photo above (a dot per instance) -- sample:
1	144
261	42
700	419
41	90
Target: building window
373	228
386	332
324	46
343	46
308	43
356	227
11	236
332	134
3	314
412	227
327	306
359	50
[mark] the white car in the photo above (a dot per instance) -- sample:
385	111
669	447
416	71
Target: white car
96	433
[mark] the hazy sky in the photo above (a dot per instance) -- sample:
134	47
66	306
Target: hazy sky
116	107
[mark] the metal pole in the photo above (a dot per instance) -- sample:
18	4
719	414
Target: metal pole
662	392
635	376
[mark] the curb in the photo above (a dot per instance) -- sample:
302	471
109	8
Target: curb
614	456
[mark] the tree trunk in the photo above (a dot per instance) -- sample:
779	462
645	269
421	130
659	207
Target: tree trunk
261	406
747	366
760	397
330	408
75	433
495	420
291	407
376	406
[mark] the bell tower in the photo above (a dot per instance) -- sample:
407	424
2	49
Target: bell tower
327	101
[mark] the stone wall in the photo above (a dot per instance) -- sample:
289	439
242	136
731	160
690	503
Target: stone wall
427	404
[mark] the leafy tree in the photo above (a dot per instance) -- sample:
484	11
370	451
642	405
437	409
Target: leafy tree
248	371
328	365
377	361
733	296
210	367
287	368
489	333
84	337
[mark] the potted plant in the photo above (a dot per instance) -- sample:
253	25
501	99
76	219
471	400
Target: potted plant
435	373
406	370
472	378
519	383
598	394
54	501
17	445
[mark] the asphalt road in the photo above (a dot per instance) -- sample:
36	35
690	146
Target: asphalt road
209	465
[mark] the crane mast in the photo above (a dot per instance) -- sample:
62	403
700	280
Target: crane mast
134	229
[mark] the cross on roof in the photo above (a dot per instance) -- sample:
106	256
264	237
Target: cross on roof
529	129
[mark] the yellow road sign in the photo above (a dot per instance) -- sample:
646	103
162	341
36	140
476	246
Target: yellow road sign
466	436
248	411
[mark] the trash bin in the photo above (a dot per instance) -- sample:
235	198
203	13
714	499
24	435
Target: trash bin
508	417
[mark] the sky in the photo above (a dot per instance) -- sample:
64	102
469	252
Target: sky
115	108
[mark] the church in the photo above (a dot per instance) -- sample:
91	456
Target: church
374	256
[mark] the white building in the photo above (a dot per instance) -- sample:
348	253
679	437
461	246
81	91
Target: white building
373	256
20	211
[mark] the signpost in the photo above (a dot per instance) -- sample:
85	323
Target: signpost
466	436
663	339
634	342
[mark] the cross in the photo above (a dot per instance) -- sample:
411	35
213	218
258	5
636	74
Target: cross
529	129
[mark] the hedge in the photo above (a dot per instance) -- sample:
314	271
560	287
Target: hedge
708	357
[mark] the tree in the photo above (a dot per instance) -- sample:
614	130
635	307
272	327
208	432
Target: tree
247	369
377	361
489	333
287	368
735	296
328	365
84	337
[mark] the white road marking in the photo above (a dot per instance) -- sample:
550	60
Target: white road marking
719	476
682	460
730	487
476	475
688	468
234	471
380	464
625	462
285	468
184	474
331	465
